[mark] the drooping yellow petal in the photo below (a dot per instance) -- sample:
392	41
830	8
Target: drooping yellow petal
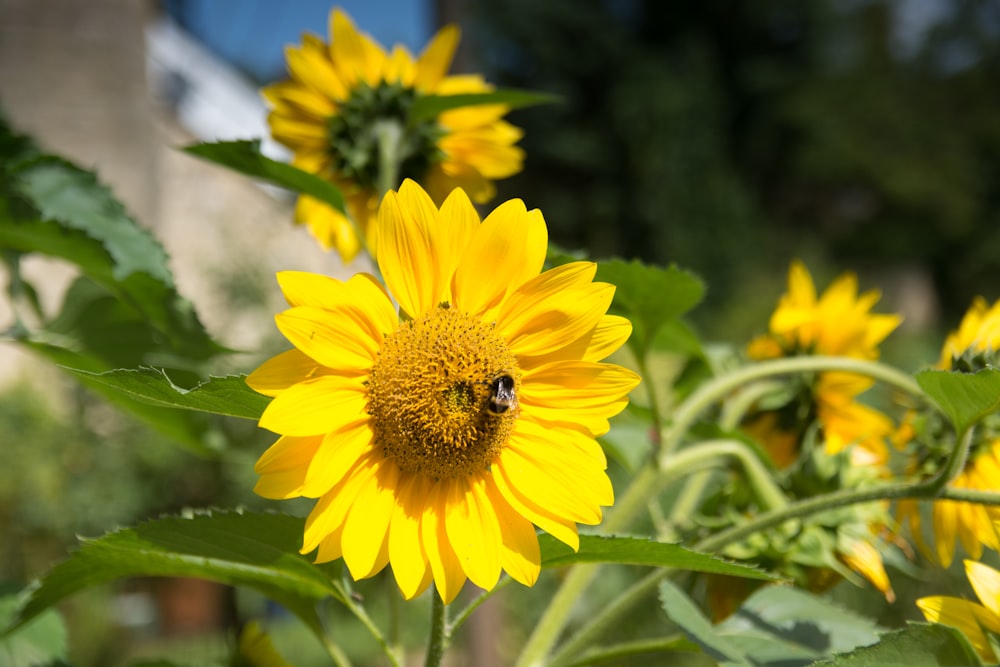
448	574
966	616
562	529
366	528
986	583
316	406
282	468
945	526
331	510
473	531
509	247
406	552
338	453
520	555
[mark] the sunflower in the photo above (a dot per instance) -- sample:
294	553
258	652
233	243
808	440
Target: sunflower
435	437
969	348
346	114
851	435
838	323
976	621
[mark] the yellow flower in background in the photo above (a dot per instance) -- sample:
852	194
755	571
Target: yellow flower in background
344	95
837	323
436	439
970	347
974	620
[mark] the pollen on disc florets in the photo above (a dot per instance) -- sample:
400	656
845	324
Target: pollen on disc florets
429	394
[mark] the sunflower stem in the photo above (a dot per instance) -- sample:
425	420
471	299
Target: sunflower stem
438	641
720	386
389	135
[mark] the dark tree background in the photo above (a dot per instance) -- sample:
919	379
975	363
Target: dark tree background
729	137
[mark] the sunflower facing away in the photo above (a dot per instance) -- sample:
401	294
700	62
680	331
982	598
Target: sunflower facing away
348	104
976	621
969	348
434	438
837	323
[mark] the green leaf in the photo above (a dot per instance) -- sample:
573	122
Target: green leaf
172	316
650	296
914	646
40	642
228	395
790	621
640	551
246	158
965	397
427	107
681	610
256	550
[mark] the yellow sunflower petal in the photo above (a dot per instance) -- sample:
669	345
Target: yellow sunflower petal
282	371
406	553
331	510
520	555
436	58
302	100
316	406
604	339
309	67
966	616
562	529
566	485
368	304
945	526
348	49
577	391
540	317
405	253
570	437
336	456
986	583
366	530
339	337
448	574
473	531
399	67
509	247
330	546
282	468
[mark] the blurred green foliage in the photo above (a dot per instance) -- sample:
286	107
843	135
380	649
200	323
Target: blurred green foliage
731	137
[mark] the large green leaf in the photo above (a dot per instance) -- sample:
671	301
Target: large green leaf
782	624
640	551
228	395
246	158
650	296
256	550
918	645
682	610
965	397
427	107
39	643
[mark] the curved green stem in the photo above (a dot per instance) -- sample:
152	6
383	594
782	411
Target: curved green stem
647	483
438	641
360	614
719	387
935	487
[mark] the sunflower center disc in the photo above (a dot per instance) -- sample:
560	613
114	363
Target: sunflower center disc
433	394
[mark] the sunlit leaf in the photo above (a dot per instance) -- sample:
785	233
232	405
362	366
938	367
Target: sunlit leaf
965	397
640	551
650	296
246	158
914	646
682	610
228	395
427	107
40	642
259	551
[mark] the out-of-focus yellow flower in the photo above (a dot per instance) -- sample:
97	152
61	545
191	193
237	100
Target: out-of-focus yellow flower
974	620
435	438
970	347
349	102
838	323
